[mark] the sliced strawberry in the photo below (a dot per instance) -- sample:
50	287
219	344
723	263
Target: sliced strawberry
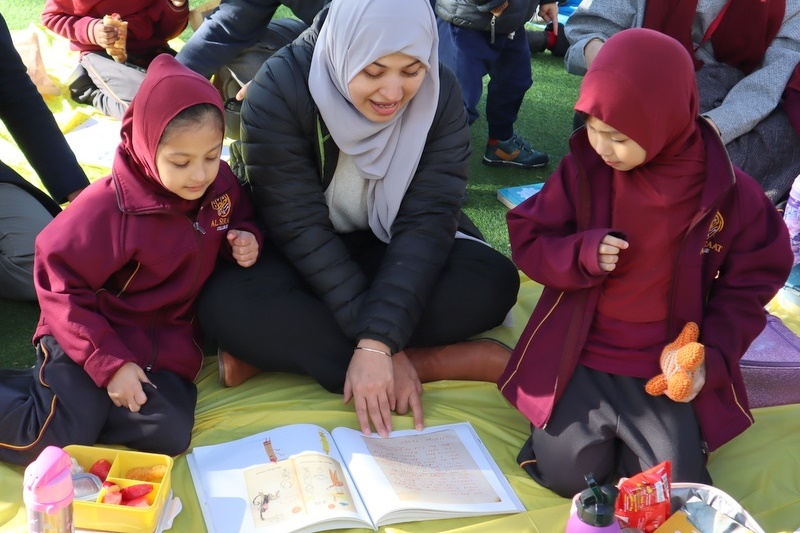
141	501
110	485
112	497
101	468
136	491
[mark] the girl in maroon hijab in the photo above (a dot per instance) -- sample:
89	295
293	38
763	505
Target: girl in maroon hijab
117	275
644	227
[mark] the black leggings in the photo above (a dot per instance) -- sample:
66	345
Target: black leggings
269	317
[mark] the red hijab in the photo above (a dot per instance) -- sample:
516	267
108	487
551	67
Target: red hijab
642	83
167	89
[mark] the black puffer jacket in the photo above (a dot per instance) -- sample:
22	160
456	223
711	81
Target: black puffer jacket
475	14
290	158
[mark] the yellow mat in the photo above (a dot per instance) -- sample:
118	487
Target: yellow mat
761	468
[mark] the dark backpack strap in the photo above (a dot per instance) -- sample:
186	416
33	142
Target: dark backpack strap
236	161
325	147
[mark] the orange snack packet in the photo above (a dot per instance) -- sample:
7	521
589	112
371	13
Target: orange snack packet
644	499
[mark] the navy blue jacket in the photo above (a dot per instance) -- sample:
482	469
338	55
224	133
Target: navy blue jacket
234	26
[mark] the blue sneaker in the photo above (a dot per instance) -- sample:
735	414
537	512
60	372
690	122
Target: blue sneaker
516	152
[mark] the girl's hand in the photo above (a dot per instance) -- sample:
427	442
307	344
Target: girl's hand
104	35
125	388
608	252
244	247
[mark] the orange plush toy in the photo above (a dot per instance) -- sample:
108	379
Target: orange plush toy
683	366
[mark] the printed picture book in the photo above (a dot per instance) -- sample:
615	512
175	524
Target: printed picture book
302	478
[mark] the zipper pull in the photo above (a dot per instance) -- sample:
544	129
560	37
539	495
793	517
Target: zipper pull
492	24
197	227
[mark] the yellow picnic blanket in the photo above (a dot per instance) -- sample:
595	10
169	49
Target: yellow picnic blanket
761	468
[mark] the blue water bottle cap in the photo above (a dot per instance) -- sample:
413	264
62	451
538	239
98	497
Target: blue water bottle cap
596	504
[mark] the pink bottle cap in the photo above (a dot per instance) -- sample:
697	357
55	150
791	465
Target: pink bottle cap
47	485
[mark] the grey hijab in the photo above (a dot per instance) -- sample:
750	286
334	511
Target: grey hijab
354	35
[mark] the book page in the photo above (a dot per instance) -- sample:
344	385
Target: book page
277	480
95	141
306	485
435	468
440	472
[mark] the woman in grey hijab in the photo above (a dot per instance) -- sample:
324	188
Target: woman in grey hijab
356	147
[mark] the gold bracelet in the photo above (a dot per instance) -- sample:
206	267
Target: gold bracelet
373	350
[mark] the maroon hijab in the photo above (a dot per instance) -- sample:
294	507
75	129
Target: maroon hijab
741	35
642	83
167	89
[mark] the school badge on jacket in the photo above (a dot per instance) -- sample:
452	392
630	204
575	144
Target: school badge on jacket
222	205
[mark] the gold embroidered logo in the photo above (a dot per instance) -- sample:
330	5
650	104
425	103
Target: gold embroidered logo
222	206
716	226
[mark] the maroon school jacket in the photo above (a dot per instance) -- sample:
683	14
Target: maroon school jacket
733	260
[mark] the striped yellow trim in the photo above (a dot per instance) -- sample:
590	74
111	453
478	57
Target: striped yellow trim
107	87
739	405
130	279
530	339
50	415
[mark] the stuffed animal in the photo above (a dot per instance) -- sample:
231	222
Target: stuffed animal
683	366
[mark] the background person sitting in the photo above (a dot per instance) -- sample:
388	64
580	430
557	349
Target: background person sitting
108	82
24	208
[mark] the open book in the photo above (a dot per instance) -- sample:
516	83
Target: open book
302	478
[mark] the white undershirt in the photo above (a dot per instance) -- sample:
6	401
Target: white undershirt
346	197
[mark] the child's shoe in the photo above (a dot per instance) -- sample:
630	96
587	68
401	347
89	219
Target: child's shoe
514	151
81	87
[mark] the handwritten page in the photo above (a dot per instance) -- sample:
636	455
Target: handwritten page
436	468
439	472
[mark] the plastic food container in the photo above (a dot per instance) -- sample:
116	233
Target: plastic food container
87	486
93	514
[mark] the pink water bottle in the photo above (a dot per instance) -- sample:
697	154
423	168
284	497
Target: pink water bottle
595	509
48	492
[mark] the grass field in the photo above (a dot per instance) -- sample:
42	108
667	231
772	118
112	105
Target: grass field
545	120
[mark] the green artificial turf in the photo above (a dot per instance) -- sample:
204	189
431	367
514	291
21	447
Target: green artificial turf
545	121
